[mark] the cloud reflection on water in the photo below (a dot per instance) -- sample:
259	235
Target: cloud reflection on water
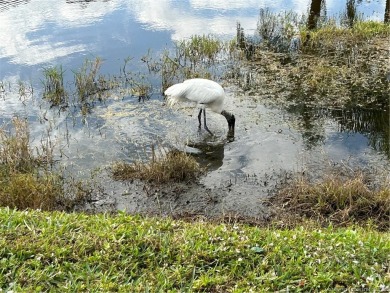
39	31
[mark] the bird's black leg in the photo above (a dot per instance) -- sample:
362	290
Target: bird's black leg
199	118
205	125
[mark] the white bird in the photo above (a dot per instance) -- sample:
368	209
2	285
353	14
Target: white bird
206	94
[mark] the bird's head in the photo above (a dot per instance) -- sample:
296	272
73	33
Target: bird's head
231	120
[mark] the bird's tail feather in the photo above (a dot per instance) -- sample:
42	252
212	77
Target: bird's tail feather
174	95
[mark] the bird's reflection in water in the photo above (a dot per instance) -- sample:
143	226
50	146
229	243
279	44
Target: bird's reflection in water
208	155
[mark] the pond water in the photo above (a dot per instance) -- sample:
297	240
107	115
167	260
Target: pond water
268	141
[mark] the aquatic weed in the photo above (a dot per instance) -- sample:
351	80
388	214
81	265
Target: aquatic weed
53	83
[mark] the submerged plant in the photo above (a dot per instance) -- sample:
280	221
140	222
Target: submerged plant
25	90
54	90
89	83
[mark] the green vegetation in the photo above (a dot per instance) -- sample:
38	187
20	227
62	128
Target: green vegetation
77	252
323	236
167	166
200	49
197	56
89	84
331	38
54	86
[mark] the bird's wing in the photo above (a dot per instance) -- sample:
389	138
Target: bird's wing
201	91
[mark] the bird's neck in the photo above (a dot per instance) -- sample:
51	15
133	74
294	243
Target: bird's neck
227	114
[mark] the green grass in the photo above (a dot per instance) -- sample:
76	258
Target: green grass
200	48
332	38
89	83
61	252
54	90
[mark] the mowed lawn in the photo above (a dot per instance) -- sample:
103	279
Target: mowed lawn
61	252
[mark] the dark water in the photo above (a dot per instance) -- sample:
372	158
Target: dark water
36	34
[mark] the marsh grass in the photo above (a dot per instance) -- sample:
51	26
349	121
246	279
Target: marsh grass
141	90
139	85
163	166
25	90
337	200
89	83
196	57
200	49
27	177
332	38
15	152
24	180
332	35
30	190
276	30
54	90
75	252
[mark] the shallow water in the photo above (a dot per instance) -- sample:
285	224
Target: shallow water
269	142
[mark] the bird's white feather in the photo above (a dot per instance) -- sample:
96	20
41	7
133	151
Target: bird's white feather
204	92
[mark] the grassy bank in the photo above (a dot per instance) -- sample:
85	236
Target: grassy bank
76	252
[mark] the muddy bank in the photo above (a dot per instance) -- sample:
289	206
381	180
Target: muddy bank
241	197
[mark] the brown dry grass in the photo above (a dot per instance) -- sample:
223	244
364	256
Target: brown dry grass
170	166
29	190
22	183
334	200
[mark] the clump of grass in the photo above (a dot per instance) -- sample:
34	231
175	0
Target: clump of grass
204	48
23	183
336	200
139	85
54	90
141	90
170	166
276	30
331	38
89	83
195	57
30	190
27	176
15	152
